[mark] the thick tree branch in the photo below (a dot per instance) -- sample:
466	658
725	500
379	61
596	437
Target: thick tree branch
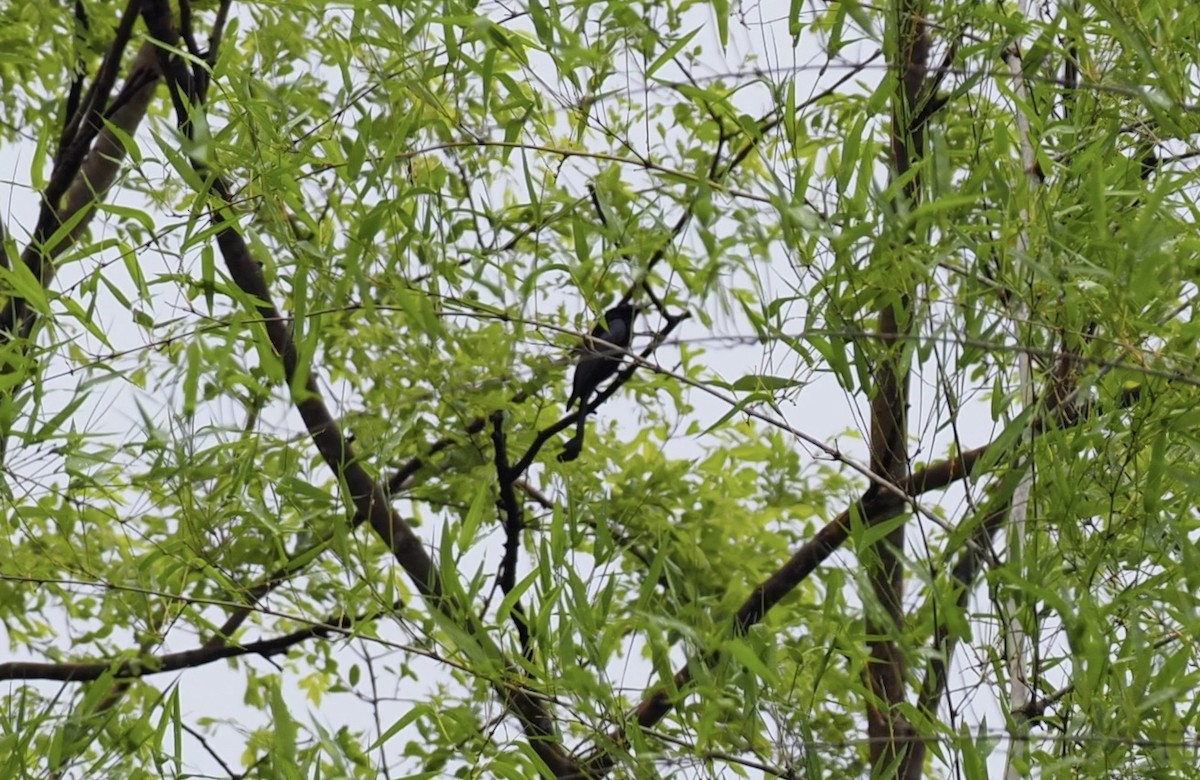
80	179
889	411
872	509
368	496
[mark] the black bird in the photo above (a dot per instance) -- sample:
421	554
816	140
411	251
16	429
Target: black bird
602	352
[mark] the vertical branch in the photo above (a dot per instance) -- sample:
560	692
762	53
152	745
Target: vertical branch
1061	408
1017	647
82	118
889	735
970	562
514	524
75	91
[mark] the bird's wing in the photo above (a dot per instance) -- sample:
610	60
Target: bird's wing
618	332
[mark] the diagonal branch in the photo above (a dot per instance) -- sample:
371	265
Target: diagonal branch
546	434
187	659
401	479
81	177
875	507
368	496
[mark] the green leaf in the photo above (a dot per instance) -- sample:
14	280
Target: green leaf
670	53
474	517
747	657
758	382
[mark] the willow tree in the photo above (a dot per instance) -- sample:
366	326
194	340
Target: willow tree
896	477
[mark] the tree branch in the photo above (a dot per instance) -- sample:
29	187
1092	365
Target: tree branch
187	659
889	417
872	509
624	376
513	524
81	177
368	497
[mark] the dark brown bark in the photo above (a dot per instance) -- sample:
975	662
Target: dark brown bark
889	735
369	497
88	160
174	662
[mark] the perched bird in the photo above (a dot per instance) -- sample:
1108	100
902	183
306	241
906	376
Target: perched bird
602	352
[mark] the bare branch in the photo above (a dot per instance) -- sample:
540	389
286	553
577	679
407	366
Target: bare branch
514	523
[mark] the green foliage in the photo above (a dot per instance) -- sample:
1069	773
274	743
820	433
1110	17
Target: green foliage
442	197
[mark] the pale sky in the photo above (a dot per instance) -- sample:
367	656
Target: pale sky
821	410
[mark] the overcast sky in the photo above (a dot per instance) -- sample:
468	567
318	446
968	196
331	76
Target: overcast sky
821	409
